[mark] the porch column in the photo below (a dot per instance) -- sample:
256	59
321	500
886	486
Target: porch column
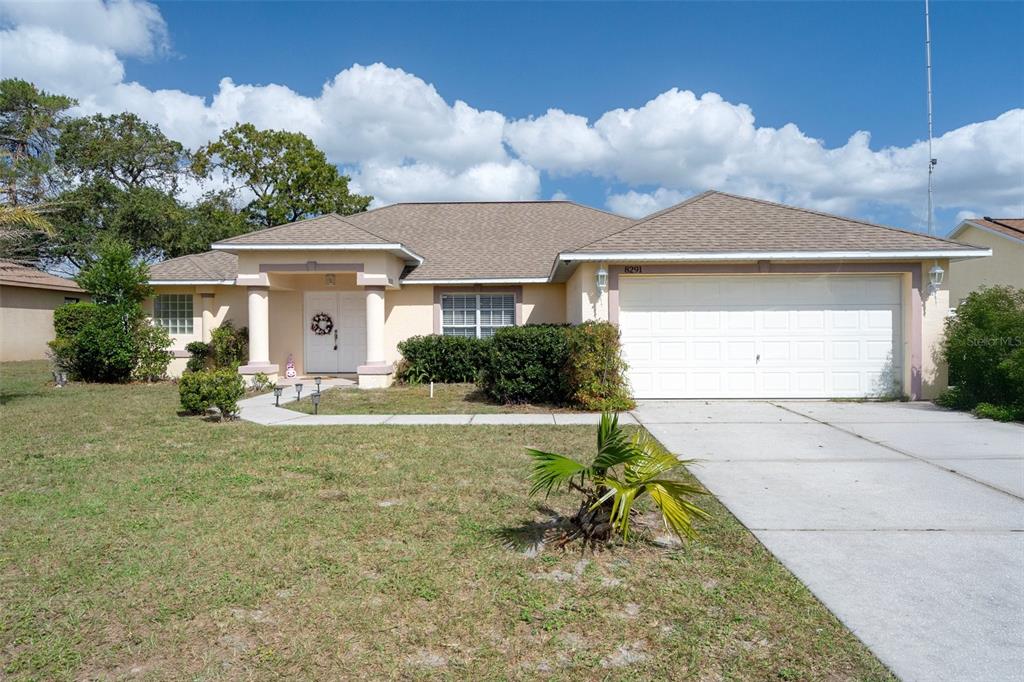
376	373
206	300
259	326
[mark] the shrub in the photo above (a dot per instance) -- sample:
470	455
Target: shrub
984	348
69	319
261	382
220	388
229	347
106	347
595	370
198	356
114	278
153	354
443	359
526	365
999	413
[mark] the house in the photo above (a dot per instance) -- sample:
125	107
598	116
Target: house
28	298
1005	238
720	296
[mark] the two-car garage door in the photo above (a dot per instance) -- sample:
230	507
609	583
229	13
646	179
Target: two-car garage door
766	336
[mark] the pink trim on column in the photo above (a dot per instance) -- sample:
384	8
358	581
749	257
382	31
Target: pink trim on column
516	291
762	267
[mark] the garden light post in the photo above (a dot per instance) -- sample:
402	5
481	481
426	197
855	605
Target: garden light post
277	396
316	402
298	392
317	381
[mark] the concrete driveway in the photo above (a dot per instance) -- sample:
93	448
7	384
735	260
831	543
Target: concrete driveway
906	520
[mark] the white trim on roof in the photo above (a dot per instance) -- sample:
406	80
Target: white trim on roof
984	228
492	280
317	247
189	282
775	255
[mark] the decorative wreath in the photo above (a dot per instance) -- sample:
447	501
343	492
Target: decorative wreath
322	324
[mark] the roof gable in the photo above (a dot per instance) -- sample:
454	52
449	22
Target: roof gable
210	266
716	222
1007	227
329	228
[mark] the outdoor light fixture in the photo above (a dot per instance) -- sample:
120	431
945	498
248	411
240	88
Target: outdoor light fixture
317	381
298	392
316	402
935	277
602	278
277	396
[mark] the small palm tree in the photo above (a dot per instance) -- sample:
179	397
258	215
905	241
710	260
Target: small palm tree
623	470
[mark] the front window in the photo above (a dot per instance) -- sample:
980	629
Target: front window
477	315
173	312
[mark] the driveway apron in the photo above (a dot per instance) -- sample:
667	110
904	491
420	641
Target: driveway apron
904	519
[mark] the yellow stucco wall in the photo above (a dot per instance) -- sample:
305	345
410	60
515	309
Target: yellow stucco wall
544	304
408	311
1005	266
583	301
26	321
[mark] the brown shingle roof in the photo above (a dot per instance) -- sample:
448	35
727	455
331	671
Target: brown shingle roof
482	240
202	267
326	229
13	274
716	222
1011	227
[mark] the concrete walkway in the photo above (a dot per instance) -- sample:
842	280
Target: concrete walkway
905	520
261	410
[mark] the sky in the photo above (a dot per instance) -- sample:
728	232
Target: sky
628	107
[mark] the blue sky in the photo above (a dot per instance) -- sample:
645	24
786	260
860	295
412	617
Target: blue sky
832	69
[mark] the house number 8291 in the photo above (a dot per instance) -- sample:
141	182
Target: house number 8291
633	269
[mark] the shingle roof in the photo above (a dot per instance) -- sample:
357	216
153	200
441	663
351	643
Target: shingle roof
481	240
1011	227
326	229
716	222
199	267
13	274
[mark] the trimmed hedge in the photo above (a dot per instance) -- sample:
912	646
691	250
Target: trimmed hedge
220	388
984	348
442	359
595	370
526	365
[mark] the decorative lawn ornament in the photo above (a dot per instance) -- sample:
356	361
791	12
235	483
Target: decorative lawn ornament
289	368
322	324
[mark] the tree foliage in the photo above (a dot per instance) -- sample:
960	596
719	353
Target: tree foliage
30	121
289	177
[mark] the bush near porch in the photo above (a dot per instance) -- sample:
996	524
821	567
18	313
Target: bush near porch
984	347
579	366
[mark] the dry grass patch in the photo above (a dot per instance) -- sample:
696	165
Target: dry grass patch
135	543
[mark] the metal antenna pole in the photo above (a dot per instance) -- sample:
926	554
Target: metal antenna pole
928	71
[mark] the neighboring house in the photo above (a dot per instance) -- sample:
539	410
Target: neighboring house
1005	237
27	300
718	297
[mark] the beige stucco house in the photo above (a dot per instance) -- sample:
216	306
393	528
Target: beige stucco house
720	296
1005	238
28	298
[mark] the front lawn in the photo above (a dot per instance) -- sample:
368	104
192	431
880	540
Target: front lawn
136	543
406	399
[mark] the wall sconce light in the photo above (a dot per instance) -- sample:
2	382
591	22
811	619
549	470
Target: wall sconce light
298	392
316	402
329	280
277	396
602	278
935	277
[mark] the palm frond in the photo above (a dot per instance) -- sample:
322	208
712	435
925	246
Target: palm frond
24	217
676	510
651	461
551	470
613	446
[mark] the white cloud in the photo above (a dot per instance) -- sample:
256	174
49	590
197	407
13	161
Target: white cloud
679	141
128	27
635	204
401	140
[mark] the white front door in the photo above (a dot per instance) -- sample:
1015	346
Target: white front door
834	336
343	347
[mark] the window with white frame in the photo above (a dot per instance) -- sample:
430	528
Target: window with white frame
477	315
173	312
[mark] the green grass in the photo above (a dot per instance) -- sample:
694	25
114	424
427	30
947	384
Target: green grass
406	399
136	543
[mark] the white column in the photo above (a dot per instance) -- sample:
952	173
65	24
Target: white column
374	325
259	326
207	312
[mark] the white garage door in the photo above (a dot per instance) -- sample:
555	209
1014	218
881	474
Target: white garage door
832	336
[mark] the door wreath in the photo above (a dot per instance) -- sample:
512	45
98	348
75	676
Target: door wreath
322	324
